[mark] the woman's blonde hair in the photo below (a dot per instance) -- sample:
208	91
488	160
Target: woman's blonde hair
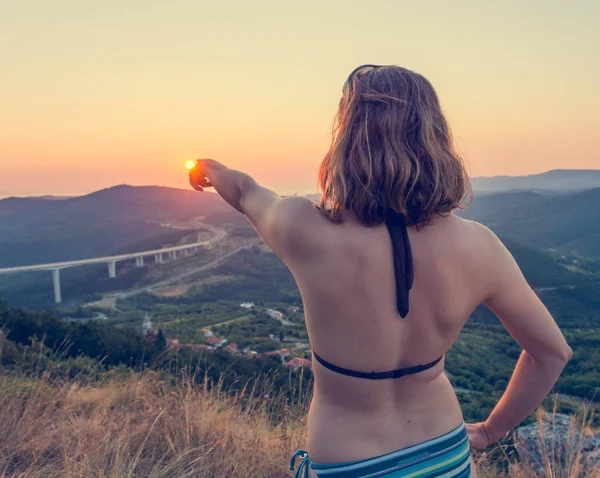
391	149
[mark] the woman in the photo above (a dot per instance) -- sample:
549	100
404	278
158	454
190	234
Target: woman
388	277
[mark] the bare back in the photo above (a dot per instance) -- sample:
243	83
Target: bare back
346	277
348	288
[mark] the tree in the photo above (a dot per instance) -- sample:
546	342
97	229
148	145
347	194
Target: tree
161	341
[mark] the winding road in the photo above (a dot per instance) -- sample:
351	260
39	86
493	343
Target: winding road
110	301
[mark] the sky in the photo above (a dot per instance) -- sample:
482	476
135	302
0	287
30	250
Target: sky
94	94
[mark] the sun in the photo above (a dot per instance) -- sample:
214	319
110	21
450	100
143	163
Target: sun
190	164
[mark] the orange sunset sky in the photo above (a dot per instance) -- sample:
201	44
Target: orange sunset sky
98	93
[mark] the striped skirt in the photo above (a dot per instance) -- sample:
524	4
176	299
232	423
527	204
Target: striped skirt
447	456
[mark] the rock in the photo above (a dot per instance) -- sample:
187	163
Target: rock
559	441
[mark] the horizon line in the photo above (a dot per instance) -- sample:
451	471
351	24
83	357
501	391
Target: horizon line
59	196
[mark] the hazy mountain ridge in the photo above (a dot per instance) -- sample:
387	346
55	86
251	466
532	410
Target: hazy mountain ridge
554	180
34	230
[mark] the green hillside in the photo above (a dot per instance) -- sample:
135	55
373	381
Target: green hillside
569	223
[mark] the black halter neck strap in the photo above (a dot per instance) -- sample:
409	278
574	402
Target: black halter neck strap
403	263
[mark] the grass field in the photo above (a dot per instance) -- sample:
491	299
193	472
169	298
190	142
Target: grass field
137	425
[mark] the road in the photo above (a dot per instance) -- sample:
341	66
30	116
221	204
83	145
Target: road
219	235
286	322
110	301
564	286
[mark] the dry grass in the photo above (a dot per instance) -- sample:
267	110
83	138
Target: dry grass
567	457
564	458
138	427
141	426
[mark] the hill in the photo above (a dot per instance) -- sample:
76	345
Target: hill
37	230
139	425
522	219
118	219
555	180
569	223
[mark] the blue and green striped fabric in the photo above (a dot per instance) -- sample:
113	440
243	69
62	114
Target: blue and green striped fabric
447	456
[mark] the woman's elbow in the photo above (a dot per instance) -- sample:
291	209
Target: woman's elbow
555	358
561	356
567	353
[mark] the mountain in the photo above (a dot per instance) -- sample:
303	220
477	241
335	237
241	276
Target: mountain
555	180
36	230
539	268
569	223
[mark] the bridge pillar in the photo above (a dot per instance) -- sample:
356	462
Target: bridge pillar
139	261
56	283
112	269
172	255
158	258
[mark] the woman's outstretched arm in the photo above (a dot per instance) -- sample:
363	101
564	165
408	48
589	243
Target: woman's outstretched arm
282	222
545	351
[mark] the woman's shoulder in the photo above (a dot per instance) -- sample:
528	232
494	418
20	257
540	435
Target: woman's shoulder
463	235
302	227
467	228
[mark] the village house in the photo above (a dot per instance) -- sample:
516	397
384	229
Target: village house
282	354
197	346
232	348
293	308
303	346
215	341
297	363
247	305
275	314
173	343
147	329
207	332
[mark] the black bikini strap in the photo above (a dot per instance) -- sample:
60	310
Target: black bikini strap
403	263
401	372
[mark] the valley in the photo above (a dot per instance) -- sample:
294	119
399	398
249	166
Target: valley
234	298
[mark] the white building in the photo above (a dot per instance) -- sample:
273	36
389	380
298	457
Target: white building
247	305
275	314
146	325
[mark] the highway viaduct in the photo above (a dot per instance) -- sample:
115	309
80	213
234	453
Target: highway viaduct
157	255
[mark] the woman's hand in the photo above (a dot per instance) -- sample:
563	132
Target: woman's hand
200	173
230	184
478	435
